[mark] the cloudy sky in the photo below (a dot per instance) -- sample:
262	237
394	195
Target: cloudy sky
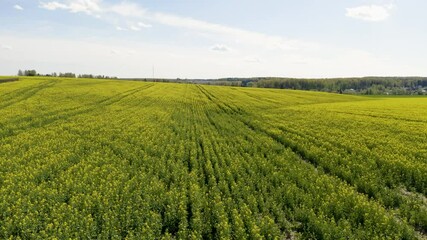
212	39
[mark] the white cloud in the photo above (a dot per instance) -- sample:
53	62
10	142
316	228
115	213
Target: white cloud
220	48
131	11
134	28
236	34
144	25
18	7
114	52
86	6
373	13
89	7
280	56
123	52
53	6
6	47
127	9
125	58
252	60
138	26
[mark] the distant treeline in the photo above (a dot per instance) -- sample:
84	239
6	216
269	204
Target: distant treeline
236	83
31	73
365	85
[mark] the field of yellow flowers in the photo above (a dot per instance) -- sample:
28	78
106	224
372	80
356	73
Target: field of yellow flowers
113	159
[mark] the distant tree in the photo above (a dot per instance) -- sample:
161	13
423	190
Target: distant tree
30	73
95	76
67	75
20	73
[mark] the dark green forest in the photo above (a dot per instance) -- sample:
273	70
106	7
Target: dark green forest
365	85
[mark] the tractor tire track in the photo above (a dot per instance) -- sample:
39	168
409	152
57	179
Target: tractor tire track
23	94
51	117
243	116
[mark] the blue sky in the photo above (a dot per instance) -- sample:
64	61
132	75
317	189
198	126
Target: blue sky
213	39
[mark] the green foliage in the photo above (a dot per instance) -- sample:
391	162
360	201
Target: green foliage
82	158
365	85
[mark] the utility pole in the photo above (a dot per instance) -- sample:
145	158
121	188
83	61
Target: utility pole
153	71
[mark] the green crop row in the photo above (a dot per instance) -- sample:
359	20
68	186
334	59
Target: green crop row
109	159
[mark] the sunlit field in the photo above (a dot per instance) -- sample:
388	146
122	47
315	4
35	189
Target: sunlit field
118	159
